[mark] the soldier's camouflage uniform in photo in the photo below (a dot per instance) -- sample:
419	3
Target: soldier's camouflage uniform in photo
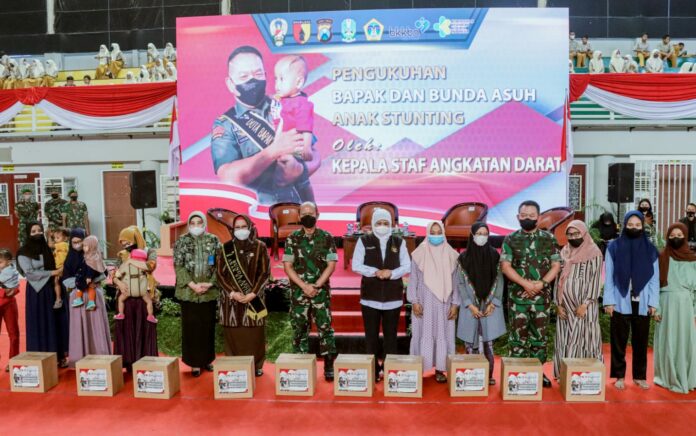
53	209
310	255
74	214
531	255
28	212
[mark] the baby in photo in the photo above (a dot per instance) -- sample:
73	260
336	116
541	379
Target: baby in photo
60	253
133	271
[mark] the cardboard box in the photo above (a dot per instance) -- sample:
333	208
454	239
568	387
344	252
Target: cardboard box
403	376
355	375
33	371
521	379
99	376
583	379
234	377
467	375
156	377
296	374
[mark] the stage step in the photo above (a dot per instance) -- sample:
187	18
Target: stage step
351	321
345	299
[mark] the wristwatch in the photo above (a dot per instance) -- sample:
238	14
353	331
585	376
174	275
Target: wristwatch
546	284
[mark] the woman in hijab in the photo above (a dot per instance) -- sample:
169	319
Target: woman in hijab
130	78
47	328
608	230
596	63
675	333
103	57
577	331
134	337
89	330
197	291
481	287
152	55
116	62
50	73
431	290
144	75
631	296
630	66
382	260
686	67
655	64
169	53
243	269
171	72
645	207
616	65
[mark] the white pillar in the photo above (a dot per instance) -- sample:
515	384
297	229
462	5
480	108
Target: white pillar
50	17
541	3
225	7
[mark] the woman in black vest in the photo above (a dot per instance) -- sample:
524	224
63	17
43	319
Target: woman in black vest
382	260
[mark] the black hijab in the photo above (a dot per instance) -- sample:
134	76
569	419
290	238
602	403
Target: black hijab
480	264
607	231
33	248
74	259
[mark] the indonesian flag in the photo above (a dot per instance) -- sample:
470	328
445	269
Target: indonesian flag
174	146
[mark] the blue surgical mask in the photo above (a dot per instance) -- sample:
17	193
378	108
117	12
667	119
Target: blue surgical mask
436	239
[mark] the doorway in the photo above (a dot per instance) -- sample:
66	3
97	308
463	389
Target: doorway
11	186
118	212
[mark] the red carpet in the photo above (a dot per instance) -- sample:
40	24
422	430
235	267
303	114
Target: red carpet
194	411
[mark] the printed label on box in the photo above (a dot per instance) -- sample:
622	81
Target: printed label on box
352	379
233	382
470	379
25	376
93	380
403	382
294	380
150	382
585	383
522	383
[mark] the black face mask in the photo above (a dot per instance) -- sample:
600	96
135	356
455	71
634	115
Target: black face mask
54	195
251	92
131	248
644	209
634	233
676	242
575	243
37	237
691	214
308	221
528	224
73	197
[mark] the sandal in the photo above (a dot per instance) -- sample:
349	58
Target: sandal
642	384
491	382
619	384
63	363
440	377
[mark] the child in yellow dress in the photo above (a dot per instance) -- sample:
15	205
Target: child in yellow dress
60	252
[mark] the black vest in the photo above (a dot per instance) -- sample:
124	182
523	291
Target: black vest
372	288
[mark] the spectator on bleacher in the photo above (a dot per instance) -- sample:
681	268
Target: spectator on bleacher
152	55
584	52
655	63
117	62
130	78
4	70
616	65
36	73
630	66
667	51
21	73
15	79
686	67
642	49
103	57
169	53
572	47
571	70
144	75
87	80
597	63
681	51
70	81
50	73
158	73
171	72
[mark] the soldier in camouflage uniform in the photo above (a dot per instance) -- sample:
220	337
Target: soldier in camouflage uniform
75	213
53	211
27	211
531	262
309	260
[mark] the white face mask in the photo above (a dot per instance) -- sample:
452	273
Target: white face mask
572	36
480	240
196	231
242	234
382	230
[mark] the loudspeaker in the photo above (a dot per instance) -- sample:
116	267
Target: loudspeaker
620	189
143	189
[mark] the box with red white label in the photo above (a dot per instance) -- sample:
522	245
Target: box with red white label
467	375
354	375
403	376
33	372
156	377
234	377
521	379
583	380
99	376
296	374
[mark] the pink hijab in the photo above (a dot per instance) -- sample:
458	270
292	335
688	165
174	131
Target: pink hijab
437	264
93	256
570	255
